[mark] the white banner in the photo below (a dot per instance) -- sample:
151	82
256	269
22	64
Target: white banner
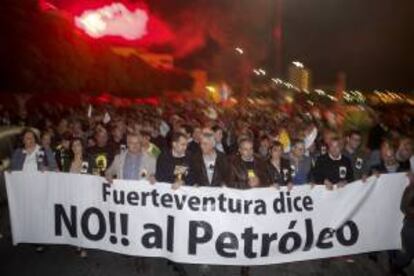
206	225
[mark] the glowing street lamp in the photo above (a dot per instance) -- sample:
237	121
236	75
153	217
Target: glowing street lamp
239	50
257	72
262	72
298	64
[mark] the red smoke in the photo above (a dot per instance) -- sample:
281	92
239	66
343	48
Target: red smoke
103	19
184	30
114	20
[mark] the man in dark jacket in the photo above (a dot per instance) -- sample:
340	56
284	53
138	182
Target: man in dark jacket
247	170
193	137
210	168
388	161
403	258
358	156
389	164
173	165
102	154
333	168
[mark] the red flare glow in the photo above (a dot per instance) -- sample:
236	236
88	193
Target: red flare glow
114	20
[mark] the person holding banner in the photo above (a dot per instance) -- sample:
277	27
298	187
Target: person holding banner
301	165
404	152
356	154
247	170
63	152
404	258
78	164
211	167
46	144
333	168
388	164
102	154
279	169
132	164
173	165
31	157
388	161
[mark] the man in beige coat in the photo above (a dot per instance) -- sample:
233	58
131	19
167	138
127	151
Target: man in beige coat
132	164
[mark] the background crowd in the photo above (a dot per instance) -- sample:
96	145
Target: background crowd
200	144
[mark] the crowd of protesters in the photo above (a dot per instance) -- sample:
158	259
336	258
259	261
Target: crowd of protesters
204	145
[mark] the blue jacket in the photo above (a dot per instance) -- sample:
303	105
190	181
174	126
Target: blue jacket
19	156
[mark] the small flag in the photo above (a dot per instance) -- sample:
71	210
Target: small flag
164	129
106	118
90	111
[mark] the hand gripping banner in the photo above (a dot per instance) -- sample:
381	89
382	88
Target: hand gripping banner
206	225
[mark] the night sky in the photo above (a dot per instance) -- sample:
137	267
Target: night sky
370	40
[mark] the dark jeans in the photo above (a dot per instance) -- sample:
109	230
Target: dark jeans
404	258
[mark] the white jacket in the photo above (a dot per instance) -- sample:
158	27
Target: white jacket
117	167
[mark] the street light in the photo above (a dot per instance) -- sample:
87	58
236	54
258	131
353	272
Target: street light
239	50
298	64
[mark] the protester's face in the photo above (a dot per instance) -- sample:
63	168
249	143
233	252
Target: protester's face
29	140
155	131
299	150
137	128
387	153
48	123
218	135
134	144
180	146
63	124
246	150
354	141
327	137
46	140
207	145
265	143
66	144
197	134
335	148
77	127
406	149
77	147
117	134
91	142
101	138
277	152
146	141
